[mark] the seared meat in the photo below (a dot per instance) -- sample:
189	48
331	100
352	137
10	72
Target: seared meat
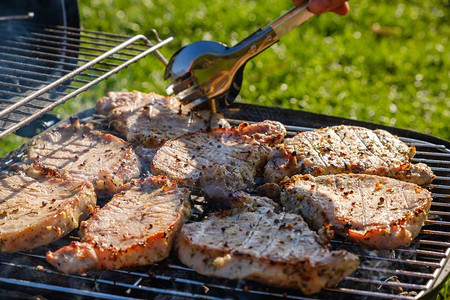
35	212
130	101
150	119
137	227
377	212
346	149
85	154
219	161
254	242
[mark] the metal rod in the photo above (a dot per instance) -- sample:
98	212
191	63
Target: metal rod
74	52
51	55
434	154
79	45
76	72
411	251
17	17
21	64
387	283
404	261
38	74
443	196
70	75
422	252
148	43
28	58
397	272
440	204
433	222
441	186
22	49
75	40
439	213
93	36
368	293
435	232
5	101
434	243
17	86
431	161
56	288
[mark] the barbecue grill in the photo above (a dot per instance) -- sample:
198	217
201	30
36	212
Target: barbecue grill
89	57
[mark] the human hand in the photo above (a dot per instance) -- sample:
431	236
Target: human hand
339	7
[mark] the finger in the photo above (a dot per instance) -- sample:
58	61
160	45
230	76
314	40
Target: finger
321	6
342	10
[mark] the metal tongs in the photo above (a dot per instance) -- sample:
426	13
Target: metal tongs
207	71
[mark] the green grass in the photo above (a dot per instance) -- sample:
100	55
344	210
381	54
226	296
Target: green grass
444	294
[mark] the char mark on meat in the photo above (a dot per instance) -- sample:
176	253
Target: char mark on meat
376	212
219	161
149	120
252	241
346	149
137	227
35	211
86	154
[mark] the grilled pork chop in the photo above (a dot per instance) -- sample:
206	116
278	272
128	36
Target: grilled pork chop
346	149
35	212
377	212
151	119
85	154
137	227
219	161
254	242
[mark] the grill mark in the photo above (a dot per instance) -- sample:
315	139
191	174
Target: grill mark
393	143
203	153
227	150
407	204
362	202
314	149
252	231
335	185
274	230
368	149
348	150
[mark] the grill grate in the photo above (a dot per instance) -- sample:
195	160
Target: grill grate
391	274
43	67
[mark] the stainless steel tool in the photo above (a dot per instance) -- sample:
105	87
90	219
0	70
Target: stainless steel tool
207	70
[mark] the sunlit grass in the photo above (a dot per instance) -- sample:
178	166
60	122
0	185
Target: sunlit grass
387	62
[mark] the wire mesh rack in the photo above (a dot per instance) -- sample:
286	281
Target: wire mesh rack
406	273
42	67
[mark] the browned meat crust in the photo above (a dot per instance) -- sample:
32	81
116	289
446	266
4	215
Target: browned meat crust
377	212
151	119
218	161
36	212
346	149
254	242
85	154
137	227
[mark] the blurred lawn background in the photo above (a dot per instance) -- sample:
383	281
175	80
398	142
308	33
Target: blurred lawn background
387	62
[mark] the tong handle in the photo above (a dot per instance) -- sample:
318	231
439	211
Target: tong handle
291	19
263	38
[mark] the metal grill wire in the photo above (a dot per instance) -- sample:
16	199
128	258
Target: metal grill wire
394	274
37	73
